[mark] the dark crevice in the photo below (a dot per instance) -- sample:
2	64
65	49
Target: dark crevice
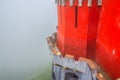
76	16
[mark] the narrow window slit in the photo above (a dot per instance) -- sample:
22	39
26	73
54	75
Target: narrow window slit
76	16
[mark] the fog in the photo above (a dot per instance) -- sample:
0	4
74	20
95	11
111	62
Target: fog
24	26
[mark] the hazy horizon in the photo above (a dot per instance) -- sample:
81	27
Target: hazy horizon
24	26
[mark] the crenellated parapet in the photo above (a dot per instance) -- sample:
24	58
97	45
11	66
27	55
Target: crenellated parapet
83	67
68	61
80	2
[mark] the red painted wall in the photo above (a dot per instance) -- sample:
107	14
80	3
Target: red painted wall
108	41
75	30
61	28
76	26
77	35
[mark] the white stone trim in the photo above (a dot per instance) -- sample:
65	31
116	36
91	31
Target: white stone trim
69	62
89	3
99	2
80	3
81	66
63	2
71	2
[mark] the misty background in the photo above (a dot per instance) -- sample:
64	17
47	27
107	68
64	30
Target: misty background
24	26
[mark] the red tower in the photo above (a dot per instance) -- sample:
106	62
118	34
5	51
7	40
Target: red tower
89	29
108	38
77	27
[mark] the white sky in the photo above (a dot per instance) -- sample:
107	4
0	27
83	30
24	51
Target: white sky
24	26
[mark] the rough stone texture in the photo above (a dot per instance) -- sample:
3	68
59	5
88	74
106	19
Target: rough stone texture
68	74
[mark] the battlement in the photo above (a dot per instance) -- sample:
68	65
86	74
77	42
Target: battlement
67	63
80	2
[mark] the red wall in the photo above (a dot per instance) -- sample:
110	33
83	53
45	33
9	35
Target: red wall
76	26
108	41
61	28
77	35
